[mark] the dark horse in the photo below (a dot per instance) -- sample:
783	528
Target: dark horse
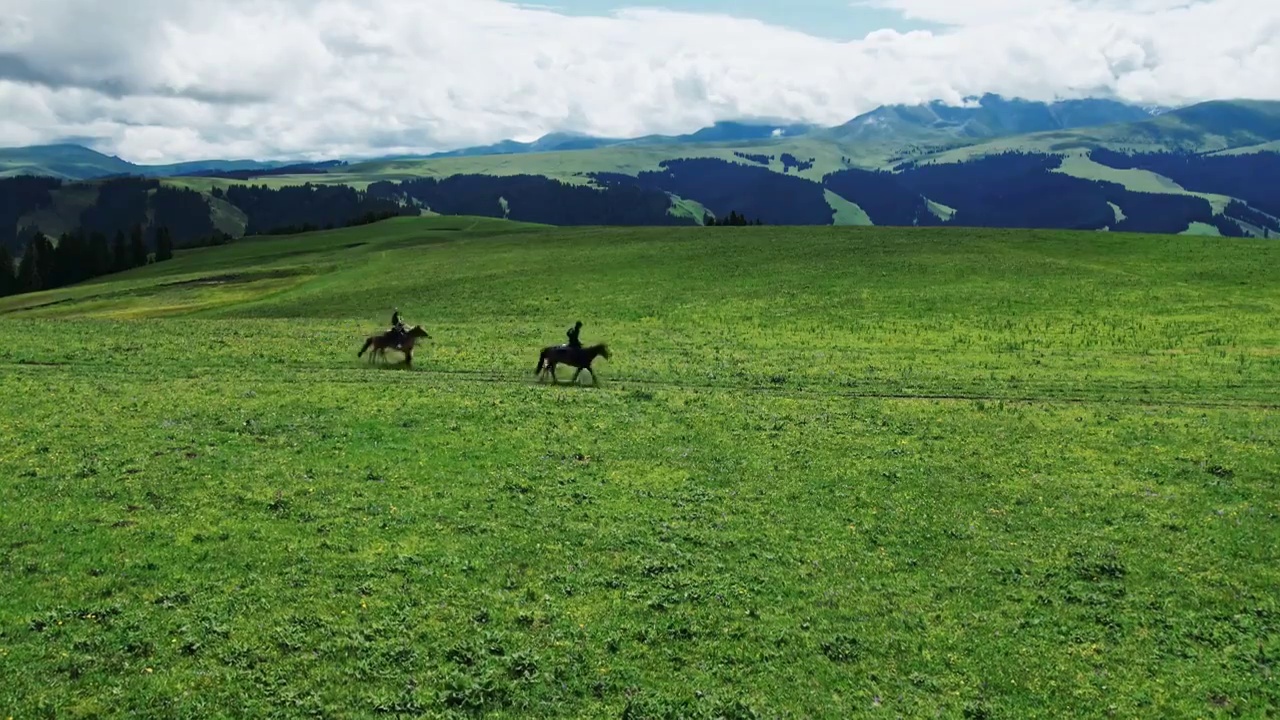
580	358
387	340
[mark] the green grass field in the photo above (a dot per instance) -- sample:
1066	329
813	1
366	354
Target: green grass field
827	472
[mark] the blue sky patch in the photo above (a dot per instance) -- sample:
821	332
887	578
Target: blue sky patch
833	19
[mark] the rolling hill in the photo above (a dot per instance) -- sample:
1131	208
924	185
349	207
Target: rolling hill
76	162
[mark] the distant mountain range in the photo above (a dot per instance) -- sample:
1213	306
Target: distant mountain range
1211	168
76	162
560	142
980	118
990	116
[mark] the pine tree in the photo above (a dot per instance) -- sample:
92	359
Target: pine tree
29	277
62	262
46	263
164	244
119	255
98	255
8	281
137	247
70	262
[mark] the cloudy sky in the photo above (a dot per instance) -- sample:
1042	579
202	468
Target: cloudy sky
170	80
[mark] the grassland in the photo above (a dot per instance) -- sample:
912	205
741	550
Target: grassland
847	213
828	472
1082	166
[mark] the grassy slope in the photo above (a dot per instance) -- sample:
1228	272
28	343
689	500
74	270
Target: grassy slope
1081	166
63	215
688	208
1273	146
1202	229
1119	212
761	507
227	217
847	213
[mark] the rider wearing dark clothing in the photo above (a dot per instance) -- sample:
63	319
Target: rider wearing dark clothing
573	335
397	327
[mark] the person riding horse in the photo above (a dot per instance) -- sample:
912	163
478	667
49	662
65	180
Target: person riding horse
398	332
573	335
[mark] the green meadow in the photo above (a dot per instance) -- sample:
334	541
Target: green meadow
826	472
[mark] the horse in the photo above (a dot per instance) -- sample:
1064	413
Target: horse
580	358
381	342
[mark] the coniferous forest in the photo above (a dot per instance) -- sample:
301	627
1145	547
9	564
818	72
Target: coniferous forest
118	223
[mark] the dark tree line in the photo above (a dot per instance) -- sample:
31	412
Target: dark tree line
882	196
76	257
1022	190
722	186
1253	177
126	203
296	169
8	282
122	203
1010	190
18	197
307	207
535	198
1240	211
119	204
732	219
791	161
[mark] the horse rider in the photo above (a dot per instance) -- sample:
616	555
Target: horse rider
573	335
397	328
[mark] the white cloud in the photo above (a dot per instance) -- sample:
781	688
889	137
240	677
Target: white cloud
162	80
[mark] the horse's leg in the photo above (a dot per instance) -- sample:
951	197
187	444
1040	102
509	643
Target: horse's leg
554	378
408	358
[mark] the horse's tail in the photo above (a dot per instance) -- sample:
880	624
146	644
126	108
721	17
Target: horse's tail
542	359
367	343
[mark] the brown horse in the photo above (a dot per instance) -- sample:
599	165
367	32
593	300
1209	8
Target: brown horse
580	358
387	340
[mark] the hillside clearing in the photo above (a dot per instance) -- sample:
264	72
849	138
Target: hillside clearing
1081	166
847	213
